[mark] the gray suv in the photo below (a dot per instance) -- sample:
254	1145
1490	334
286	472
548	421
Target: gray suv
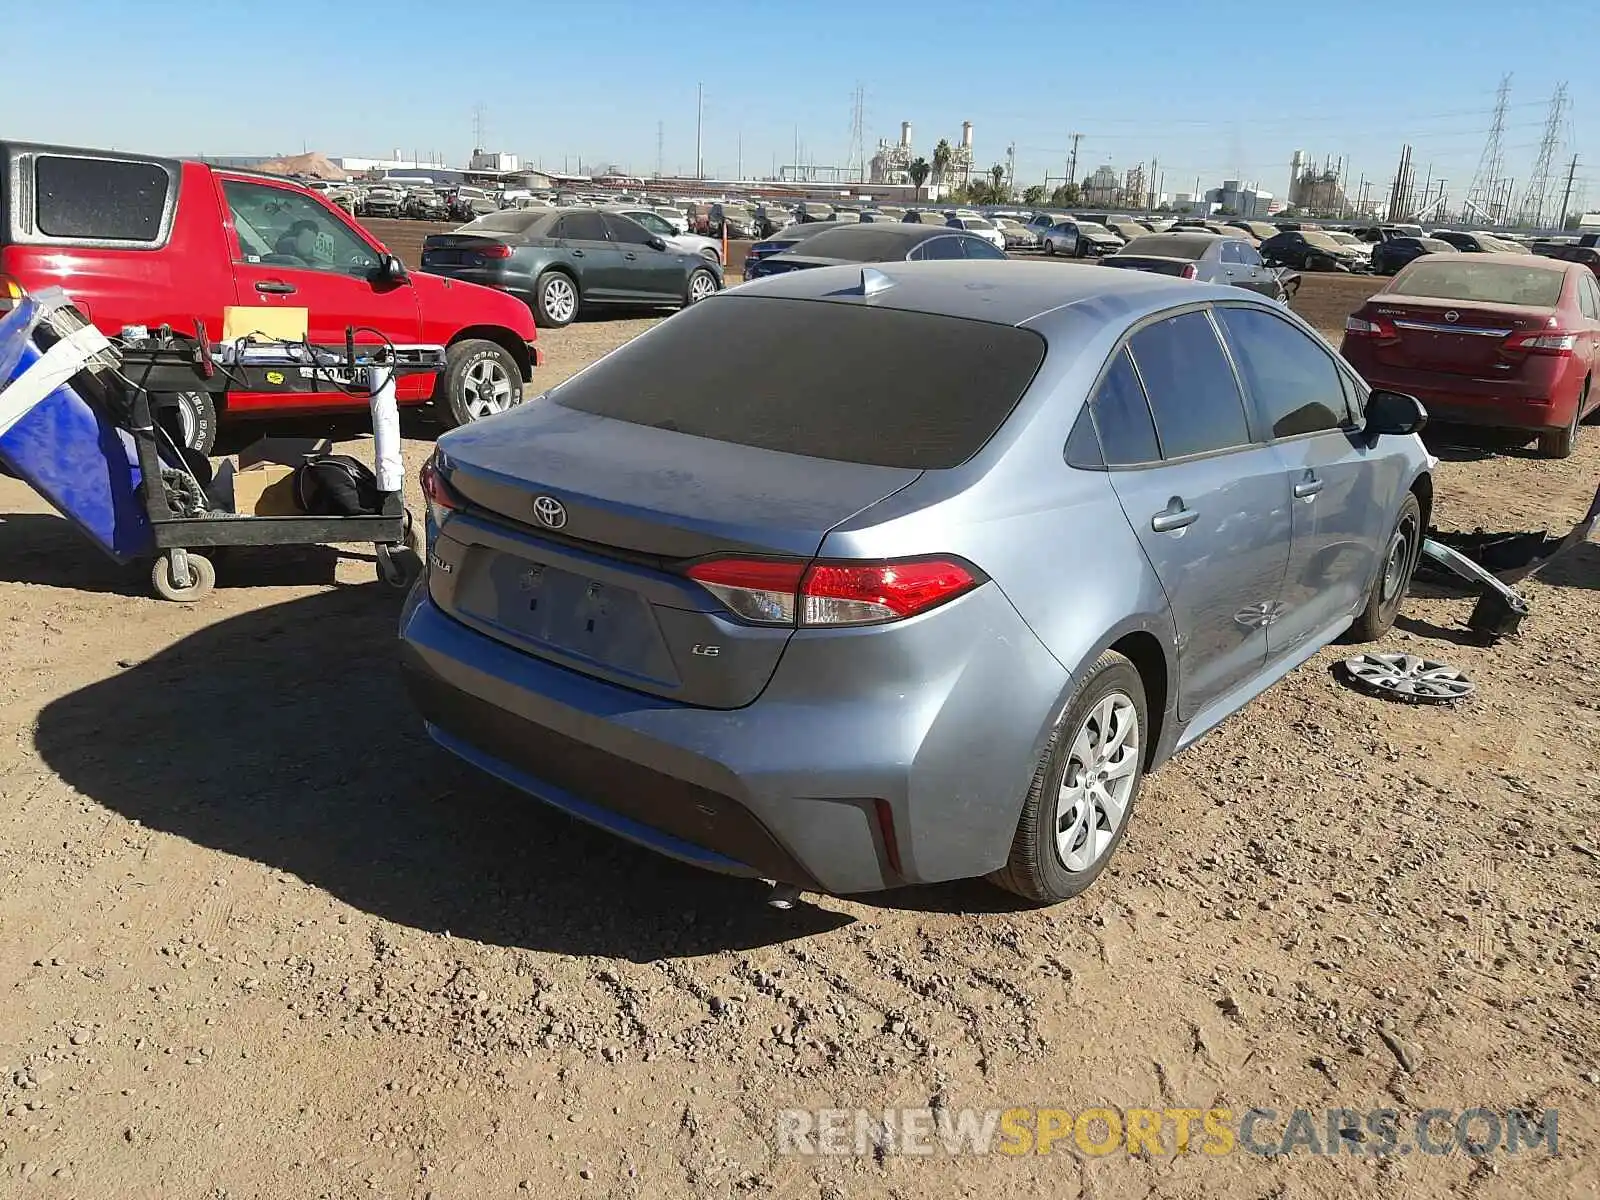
978	545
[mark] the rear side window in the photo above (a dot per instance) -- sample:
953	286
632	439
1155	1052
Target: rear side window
976	247
1122	416
100	198
1190	385
1294	384
826	380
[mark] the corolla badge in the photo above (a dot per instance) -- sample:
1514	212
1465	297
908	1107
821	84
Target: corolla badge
551	512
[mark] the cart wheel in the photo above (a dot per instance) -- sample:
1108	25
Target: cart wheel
398	566
202	578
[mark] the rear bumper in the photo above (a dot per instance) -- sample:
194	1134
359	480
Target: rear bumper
1540	404
788	788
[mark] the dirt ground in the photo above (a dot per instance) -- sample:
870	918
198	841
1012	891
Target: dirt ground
258	938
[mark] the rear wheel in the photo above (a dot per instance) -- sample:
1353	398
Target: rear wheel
1394	574
1050	247
702	285
1560	444
555	300
1083	792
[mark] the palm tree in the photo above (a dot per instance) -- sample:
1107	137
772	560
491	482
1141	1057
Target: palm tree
998	174
919	171
942	154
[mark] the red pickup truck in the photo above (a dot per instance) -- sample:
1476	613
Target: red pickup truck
139	240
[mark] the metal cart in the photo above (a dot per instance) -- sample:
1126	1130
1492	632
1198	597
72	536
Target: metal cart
171	363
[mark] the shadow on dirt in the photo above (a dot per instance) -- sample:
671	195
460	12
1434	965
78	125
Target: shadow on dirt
282	735
44	549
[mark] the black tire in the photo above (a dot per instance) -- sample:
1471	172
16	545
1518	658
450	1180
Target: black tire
1035	870
1389	588
694	288
474	370
1560	444
1050	247
550	293
189	419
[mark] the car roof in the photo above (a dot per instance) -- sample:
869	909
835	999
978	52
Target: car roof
1508	257
1006	292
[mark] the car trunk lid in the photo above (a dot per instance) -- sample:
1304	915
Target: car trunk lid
576	529
1451	337
462	250
1150	263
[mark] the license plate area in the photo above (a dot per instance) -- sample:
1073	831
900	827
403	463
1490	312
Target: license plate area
564	614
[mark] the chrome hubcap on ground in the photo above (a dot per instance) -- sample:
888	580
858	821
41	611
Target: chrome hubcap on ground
560	301
701	286
1097	784
1407	677
487	388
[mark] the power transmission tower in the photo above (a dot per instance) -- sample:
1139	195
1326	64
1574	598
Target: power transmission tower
661	141
1534	199
858	151
1566	195
1485	187
1072	163
479	120
1011	171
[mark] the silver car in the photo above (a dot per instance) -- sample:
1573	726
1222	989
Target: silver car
1208	257
867	576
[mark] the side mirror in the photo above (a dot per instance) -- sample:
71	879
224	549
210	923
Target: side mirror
1393	414
392	271
657	243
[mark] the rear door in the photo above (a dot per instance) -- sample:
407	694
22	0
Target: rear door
1213	515
291	250
603	275
647	273
1343	492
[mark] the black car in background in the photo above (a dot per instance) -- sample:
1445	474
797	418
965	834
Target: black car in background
784	239
562	260
1390	255
877	242
769	219
1310	250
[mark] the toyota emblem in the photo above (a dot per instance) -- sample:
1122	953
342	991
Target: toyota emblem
551	512
1452	316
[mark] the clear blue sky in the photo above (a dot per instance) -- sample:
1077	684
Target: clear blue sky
1202	93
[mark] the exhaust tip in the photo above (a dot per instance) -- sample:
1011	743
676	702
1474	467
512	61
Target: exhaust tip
783	896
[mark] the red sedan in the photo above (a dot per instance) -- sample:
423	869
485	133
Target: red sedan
1503	340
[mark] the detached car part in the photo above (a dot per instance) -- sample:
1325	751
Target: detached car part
1405	677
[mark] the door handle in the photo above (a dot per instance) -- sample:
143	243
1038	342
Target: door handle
275	287
630	255
1174	517
577	254
1307	487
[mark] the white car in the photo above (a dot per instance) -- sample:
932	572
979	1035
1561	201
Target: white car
981	226
682	243
674	217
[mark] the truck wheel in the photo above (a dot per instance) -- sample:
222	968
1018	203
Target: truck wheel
189	419
480	379
555	300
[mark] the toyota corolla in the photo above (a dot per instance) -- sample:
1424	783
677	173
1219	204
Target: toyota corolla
858	577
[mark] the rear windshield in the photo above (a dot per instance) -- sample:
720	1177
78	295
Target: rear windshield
862	243
1169	245
827	380
1483	282
510	221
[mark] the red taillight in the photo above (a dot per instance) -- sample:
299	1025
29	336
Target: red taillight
1190	271
823	594
494	250
440	496
1549	341
1378	328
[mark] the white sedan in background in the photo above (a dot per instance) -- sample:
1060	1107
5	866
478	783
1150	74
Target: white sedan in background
683	243
981	226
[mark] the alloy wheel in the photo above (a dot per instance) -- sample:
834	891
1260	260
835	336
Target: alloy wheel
701	286
486	388
1097	782
560	300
